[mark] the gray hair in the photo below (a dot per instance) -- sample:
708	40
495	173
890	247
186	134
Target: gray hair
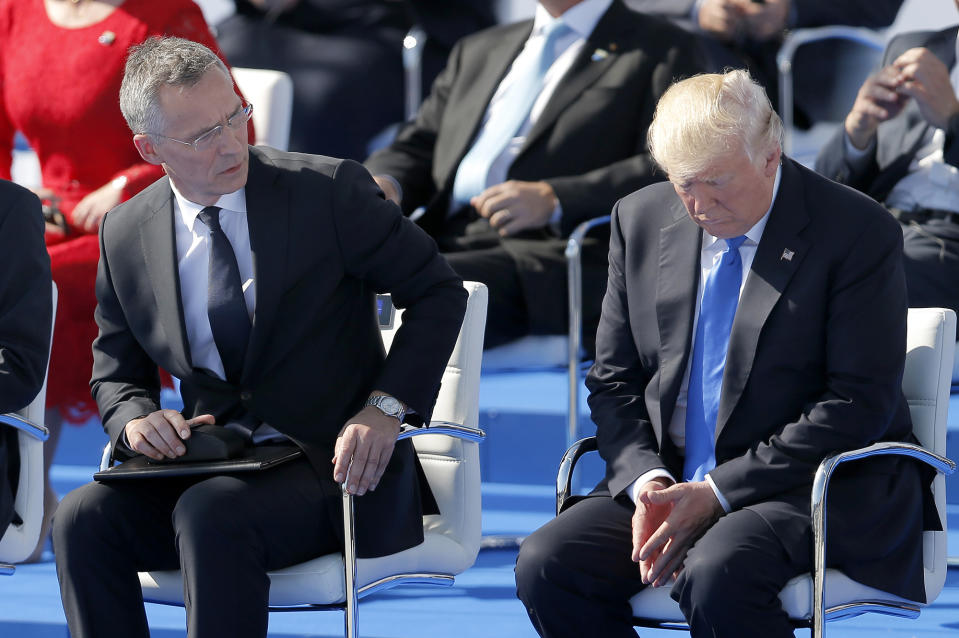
706	116
157	62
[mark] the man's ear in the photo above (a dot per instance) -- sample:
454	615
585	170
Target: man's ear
146	146
773	159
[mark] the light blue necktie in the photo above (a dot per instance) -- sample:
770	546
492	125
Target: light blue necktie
720	299
528	74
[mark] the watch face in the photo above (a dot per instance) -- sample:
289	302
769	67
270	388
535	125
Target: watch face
390	405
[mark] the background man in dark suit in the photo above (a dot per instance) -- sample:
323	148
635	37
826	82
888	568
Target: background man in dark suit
899	145
313	241
578	144
25	318
748	34
811	364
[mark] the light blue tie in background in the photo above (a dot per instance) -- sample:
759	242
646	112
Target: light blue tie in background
720	299
528	74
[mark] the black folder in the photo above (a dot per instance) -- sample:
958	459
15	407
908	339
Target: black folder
253	459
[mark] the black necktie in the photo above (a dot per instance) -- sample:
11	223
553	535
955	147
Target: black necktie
225	305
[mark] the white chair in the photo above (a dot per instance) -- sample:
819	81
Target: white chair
271	93
827	594
20	539
448	452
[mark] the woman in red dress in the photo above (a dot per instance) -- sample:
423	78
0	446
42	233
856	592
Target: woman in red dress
61	62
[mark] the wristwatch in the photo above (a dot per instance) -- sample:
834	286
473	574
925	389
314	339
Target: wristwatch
390	406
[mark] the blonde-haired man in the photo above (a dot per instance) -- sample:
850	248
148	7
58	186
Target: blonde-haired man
754	322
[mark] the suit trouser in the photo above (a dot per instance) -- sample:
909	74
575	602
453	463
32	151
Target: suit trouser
931	262
575	576
224	532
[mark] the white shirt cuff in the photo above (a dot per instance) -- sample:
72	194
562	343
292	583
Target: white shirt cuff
633	489
719	495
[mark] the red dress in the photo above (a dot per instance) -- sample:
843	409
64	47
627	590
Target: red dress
59	87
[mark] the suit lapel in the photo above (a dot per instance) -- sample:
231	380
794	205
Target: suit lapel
679	256
778	256
268	218
606	37
158	241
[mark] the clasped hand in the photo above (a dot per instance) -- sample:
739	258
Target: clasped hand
666	523
363	450
514	206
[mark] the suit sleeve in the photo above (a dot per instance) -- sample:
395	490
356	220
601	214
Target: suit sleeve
864	349
382	247
409	159
617	382
26	310
126	382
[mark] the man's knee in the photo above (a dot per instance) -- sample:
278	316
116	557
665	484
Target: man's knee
539	567
208	511
82	516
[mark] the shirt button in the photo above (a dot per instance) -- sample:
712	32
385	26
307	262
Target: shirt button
246	395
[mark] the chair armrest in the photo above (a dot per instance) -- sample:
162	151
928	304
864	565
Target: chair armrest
818	503
564	478
448	428
37	431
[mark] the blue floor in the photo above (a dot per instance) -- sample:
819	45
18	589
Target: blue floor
523	416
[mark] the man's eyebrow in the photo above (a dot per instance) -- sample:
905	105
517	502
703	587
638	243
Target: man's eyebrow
235	111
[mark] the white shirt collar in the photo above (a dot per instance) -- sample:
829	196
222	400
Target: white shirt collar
754	234
581	18
235	201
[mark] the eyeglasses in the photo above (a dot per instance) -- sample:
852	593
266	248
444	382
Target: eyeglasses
206	140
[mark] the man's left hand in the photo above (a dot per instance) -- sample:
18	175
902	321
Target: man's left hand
694	510
514	206
90	210
363	449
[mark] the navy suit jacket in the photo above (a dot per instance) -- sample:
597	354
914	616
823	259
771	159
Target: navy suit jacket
814	366
324	243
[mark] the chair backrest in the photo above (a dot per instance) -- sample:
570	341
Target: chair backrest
18	541
271	93
452	465
930	346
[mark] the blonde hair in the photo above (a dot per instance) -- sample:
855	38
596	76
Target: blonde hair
706	116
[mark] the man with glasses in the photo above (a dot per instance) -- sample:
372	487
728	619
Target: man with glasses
250	274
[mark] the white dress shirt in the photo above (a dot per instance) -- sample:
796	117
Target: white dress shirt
711	252
931	182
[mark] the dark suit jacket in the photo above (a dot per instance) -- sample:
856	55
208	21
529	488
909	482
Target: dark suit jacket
25	318
324	242
814	366
898	139
589	143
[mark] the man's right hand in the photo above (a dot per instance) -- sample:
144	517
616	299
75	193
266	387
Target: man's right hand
647	518
161	434
878	100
